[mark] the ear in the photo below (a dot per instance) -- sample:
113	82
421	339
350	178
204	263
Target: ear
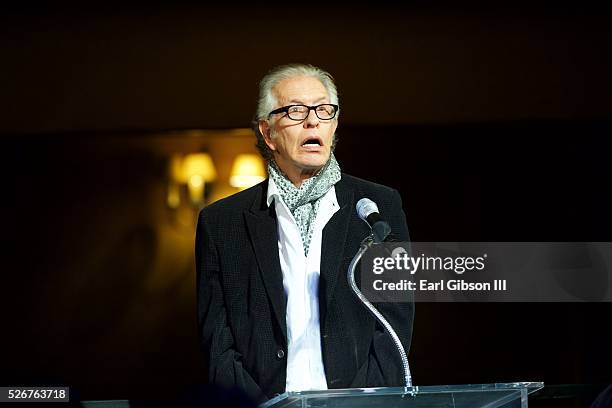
264	128
334	126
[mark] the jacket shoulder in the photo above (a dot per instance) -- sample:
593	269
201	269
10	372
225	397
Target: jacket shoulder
236	203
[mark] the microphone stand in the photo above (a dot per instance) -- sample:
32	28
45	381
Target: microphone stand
365	245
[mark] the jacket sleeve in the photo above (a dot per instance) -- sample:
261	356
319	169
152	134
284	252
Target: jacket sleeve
225	366
383	367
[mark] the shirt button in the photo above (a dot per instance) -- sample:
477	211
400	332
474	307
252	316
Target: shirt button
280	354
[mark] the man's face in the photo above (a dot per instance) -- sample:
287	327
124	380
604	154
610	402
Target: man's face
299	147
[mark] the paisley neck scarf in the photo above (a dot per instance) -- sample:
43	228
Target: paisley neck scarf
303	202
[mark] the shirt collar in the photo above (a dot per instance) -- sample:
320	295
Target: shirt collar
272	191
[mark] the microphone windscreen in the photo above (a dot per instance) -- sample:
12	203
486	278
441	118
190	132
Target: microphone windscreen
365	207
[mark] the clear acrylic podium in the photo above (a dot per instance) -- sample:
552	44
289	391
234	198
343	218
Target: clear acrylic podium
447	396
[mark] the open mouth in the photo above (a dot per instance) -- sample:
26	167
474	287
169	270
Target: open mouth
313	141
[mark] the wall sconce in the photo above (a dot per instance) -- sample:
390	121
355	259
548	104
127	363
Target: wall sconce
247	170
195	170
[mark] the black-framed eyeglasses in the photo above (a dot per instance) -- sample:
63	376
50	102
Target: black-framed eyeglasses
325	111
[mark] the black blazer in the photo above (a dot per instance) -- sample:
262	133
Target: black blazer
242	303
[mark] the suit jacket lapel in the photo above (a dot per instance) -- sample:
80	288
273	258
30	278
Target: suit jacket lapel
263	232
333	246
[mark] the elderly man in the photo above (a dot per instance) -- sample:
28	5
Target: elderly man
275	310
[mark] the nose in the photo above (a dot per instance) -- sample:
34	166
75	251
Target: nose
312	120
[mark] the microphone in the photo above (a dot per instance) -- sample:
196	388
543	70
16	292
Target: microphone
368	211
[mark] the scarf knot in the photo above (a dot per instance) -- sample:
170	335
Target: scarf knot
304	201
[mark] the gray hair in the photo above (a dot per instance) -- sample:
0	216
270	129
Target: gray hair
267	101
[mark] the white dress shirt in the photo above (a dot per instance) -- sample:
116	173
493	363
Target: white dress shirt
305	369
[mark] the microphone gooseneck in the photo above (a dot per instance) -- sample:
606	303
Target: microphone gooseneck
368	211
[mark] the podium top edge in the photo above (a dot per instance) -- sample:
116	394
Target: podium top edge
529	386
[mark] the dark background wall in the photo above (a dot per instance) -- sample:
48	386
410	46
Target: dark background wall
493	122
157	67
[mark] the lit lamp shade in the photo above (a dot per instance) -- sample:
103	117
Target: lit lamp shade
248	170
198	166
197	169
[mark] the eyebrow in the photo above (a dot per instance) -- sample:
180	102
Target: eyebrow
300	102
